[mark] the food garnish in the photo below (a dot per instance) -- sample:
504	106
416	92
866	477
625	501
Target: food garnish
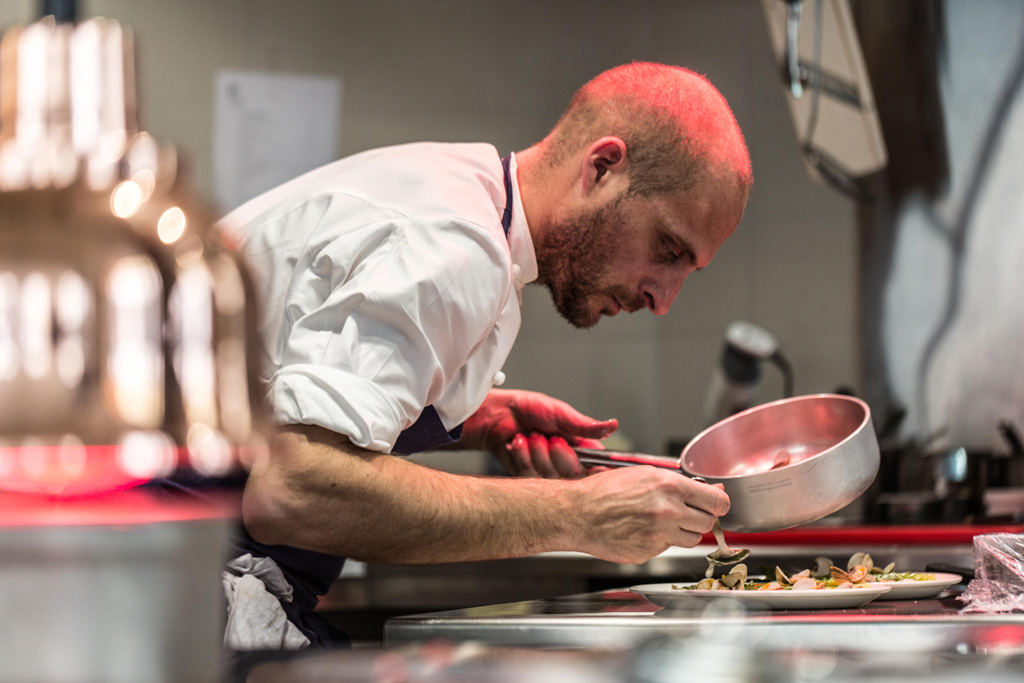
860	571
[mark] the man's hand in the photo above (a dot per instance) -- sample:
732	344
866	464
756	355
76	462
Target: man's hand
635	513
532	434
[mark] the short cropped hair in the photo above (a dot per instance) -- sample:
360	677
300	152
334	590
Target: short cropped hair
678	129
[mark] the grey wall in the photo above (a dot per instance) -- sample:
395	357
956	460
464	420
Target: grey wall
470	70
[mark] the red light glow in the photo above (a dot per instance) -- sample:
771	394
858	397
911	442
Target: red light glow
67	469
122	508
70	469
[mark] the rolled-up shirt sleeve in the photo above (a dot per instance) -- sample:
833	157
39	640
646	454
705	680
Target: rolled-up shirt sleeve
374	323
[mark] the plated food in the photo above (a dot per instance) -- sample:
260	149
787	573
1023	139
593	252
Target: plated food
860	571
685	596
823	578
915	589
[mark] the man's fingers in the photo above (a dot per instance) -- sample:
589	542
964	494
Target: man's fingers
562	418
519	451
580	425
686	539
711	498
564	459
696	521
537	455
541	457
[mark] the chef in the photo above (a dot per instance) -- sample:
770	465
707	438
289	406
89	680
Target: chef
390	286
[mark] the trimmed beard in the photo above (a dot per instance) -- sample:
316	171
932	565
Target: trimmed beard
575	255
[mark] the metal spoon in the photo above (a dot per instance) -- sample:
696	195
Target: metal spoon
725	555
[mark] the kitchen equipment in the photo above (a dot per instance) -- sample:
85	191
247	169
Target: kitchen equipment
736	377
784	463
929	482
788	462
124	587
837	122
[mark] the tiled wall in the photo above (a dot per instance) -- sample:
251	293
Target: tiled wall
501	71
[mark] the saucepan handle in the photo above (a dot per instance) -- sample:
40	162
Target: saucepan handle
596	456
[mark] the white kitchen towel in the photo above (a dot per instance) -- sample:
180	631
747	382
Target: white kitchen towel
255	589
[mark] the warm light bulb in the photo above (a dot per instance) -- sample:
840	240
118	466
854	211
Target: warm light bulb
146	182
36	325
171	225
126	199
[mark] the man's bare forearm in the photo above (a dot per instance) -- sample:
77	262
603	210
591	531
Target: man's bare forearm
319	492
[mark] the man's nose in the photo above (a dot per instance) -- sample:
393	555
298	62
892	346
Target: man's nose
661	292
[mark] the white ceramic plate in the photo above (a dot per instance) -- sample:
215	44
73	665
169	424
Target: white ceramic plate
833	598
915	590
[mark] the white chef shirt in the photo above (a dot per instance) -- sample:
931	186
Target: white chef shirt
387	285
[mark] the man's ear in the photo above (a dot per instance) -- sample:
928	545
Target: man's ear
604	165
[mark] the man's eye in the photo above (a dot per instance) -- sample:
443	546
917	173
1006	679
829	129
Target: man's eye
670	250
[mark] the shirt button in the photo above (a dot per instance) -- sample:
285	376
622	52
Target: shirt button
516	270
498	379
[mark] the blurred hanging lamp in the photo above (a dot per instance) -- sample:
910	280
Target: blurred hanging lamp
126	326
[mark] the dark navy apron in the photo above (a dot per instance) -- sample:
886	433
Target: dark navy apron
310	573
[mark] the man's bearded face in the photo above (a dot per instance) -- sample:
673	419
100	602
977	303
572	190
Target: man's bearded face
578	254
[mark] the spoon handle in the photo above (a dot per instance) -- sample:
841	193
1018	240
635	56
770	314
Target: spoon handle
597	456
720	537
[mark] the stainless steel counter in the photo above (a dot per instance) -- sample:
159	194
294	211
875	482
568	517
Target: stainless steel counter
619	618
619	637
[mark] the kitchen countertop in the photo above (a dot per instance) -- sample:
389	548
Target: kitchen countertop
617	636
621	618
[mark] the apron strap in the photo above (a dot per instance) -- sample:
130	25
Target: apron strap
506	216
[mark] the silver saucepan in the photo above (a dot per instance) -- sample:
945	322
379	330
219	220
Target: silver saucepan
783	464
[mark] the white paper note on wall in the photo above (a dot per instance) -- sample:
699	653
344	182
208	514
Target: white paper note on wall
270	128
